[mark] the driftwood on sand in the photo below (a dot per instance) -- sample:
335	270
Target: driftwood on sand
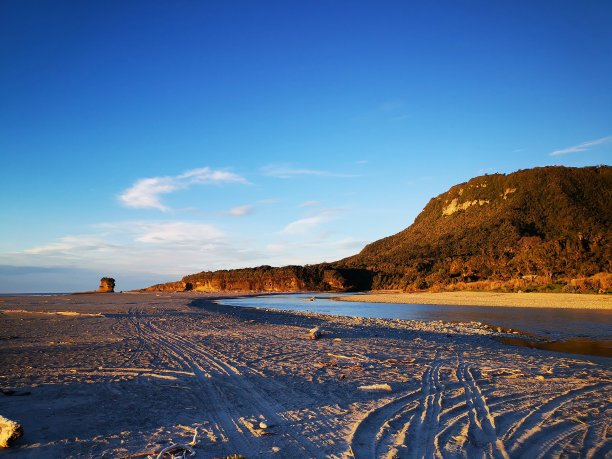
9	432
315	333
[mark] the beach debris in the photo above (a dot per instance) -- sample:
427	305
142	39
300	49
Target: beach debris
377	387
256	427
176	451
315	333
337	356
194	439
275	449
58	313
9	432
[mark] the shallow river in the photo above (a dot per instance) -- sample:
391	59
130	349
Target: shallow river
545	322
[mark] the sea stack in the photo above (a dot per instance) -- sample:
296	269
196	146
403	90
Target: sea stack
107	285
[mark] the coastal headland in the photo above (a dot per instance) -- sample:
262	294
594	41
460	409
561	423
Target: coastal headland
121	375
544	229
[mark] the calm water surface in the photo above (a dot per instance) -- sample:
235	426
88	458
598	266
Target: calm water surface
546	322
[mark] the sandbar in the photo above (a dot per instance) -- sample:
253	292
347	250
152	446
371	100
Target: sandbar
524	300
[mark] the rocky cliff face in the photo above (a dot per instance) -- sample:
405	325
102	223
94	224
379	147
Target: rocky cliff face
107	285
178	286
269	279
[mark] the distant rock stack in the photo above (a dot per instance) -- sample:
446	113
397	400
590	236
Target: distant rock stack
107	285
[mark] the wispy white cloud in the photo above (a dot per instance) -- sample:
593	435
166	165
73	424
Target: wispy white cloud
286	171
308	224
146	192
163	247
309	204
112	236
584	146
163	232
149	252
307	252
304	225
240	211
67	244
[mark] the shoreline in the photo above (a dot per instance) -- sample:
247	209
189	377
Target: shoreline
520	300
158	367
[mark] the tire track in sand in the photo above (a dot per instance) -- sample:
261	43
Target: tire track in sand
401	428
236	394
422	428
529	432
371	428
481	429
207	395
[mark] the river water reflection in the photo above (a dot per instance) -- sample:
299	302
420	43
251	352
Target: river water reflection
545	322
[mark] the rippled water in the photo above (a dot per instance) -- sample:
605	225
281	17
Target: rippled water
545	322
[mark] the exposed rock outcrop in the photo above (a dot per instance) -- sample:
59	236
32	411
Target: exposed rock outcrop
178	286
107	285
269	279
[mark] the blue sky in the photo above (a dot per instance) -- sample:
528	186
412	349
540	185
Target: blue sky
148	140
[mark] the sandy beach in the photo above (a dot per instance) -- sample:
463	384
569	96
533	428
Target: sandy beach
527	300
126	375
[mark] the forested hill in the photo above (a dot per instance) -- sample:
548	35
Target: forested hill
542	228
537	226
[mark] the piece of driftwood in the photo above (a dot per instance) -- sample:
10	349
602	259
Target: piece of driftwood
315	333
377	387
174	450
9	432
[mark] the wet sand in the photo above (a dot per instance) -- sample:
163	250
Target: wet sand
529	300
116	375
